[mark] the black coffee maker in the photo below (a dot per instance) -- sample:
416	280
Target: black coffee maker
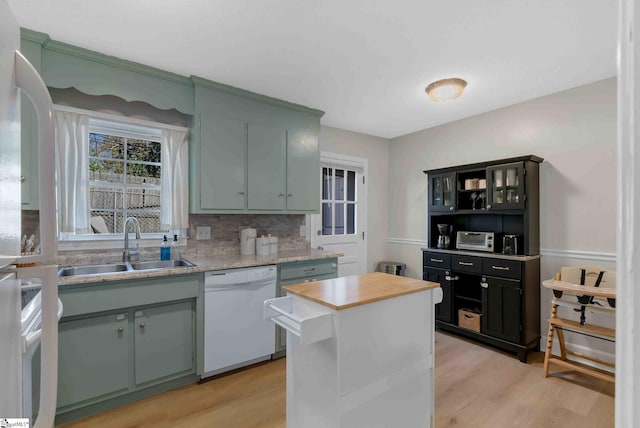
444	239
510	244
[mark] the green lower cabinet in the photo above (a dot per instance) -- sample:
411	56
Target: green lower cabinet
93	358
164	342
120	341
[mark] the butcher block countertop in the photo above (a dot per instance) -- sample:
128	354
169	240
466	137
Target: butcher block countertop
356	290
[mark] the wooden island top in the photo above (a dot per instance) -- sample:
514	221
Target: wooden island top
356	290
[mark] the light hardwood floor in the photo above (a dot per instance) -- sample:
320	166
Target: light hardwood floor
475	387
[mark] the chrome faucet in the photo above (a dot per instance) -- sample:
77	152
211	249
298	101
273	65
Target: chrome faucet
127	254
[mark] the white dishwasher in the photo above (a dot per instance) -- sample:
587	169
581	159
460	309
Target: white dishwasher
235	332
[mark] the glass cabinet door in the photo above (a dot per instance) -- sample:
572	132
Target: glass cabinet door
442	192
506	186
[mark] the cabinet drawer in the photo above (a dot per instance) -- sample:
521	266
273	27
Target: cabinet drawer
469	264
438	260
308	270
502	268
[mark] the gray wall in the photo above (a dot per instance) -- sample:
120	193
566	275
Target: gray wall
574	131
376	151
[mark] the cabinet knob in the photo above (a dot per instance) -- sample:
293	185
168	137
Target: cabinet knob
289	195
141	325
120	329
22	178
488	206
450	208
484	285
241	193
281	194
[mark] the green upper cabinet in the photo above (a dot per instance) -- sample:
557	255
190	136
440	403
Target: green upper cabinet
221	163
266	167
303	166
252	153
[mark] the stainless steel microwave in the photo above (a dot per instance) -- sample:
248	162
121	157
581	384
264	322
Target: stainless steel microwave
478	241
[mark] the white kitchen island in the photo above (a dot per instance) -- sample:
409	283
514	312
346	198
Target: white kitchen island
359	351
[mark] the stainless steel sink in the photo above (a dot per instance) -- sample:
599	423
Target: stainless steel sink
93	269
160	264
123	267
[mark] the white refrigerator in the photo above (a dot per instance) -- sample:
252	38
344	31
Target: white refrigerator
16	342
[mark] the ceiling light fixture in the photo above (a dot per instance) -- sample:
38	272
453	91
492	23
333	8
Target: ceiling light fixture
446	89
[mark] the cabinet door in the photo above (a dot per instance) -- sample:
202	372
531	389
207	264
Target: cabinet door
29	134
93	358
444	309
505	188
442	192
164	341
222	163
266	167
303	171
501	308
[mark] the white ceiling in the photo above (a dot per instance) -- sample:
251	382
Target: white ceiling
364	62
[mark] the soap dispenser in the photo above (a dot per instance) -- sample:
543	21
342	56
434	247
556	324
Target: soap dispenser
175	250
165	250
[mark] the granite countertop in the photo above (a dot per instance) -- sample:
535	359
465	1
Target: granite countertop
204	264
357	290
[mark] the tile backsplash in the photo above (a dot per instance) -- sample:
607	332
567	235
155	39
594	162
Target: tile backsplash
225	237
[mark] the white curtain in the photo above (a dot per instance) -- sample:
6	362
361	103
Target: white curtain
72	171
175	180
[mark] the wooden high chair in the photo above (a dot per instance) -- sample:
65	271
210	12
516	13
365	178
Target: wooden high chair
585	288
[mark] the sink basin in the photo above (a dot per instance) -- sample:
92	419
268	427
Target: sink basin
93	269
160	264
123	267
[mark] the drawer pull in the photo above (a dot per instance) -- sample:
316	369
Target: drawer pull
465	263
437	260
307	270
506	268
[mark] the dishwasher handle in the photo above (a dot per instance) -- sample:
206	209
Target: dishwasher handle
224	287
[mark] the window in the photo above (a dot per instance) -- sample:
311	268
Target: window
339	202
110	168
124	176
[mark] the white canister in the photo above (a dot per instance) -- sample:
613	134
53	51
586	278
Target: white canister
248	241
273	244
262	245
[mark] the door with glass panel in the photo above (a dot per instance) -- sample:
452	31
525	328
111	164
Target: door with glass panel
340	226
506	186
442	192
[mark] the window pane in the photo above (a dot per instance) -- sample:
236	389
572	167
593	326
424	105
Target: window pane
339	184
326	218
143	199
143	174
326	183
106	198
351	219
106	170
149	220
106	146
141	150
351	185
339	219
108	219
